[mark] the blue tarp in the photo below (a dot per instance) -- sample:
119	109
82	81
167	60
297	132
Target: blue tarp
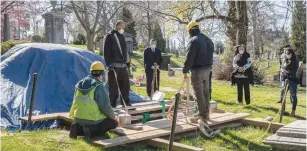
59	68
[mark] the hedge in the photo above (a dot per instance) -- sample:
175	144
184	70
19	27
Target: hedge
5	46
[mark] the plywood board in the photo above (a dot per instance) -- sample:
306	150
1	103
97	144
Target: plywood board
41	117
262	123
180	127
158	125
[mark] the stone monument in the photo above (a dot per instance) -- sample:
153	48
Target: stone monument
54	21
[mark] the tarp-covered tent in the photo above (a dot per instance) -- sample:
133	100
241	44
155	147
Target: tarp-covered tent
59	68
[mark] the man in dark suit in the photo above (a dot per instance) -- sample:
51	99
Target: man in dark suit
152	55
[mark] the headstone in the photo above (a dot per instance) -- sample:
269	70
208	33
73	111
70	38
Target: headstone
54	30
166	60
6	28
129	41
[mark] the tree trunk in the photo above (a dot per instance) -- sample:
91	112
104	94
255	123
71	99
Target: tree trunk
231	23
90	40
148	24
254	29
242	22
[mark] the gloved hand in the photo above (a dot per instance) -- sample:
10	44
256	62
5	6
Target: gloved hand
128	65
152	67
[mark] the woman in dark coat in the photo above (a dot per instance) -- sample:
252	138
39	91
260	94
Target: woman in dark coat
288	71
242	75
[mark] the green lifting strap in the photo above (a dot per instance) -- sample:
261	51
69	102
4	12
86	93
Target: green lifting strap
163	108
146	117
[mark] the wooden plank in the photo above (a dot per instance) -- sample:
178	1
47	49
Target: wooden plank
65	115
286	143
180	127
291	133
149	108
296	129
158	125
162	143
260	122
41	117
145	104
138	137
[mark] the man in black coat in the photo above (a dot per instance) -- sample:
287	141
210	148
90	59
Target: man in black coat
199	59
117	59
152	55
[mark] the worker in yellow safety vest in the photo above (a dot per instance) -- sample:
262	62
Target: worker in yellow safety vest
91	110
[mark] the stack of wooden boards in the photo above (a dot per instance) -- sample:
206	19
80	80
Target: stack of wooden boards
289	137
140	108
160	128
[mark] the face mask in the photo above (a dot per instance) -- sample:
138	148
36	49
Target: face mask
289	56
153	46
241	52
121	31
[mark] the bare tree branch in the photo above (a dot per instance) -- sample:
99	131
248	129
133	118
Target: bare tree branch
78	15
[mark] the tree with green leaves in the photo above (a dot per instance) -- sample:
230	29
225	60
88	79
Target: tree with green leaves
298	36
126	16
157	35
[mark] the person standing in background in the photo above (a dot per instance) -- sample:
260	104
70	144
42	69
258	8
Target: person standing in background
117	59
242	75
152	55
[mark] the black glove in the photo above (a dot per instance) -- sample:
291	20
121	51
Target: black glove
128	65
110	68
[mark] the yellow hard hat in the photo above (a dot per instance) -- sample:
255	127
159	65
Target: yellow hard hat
192	24
97	65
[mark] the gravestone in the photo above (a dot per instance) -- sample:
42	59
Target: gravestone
166	60
54	30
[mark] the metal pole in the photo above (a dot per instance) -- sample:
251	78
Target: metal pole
171	139
283	103
32	98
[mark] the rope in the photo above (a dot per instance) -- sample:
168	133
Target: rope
279	112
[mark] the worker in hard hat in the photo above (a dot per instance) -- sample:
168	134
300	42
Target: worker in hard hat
91	110
199	59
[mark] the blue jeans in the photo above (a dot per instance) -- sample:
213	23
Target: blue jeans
293	91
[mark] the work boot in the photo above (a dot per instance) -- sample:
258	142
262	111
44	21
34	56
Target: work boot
293	113
73	131
204	119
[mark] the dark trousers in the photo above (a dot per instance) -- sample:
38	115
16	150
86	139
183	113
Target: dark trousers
149	77
243	82
98	129
293	91
123	83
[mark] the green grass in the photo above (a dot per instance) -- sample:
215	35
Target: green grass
263	104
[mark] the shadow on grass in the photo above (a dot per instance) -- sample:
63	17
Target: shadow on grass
174	64
252	106
302	106
296	116
242	142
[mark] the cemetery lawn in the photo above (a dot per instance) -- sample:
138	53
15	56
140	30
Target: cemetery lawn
263	103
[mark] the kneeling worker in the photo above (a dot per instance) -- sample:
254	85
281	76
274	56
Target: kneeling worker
91	109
